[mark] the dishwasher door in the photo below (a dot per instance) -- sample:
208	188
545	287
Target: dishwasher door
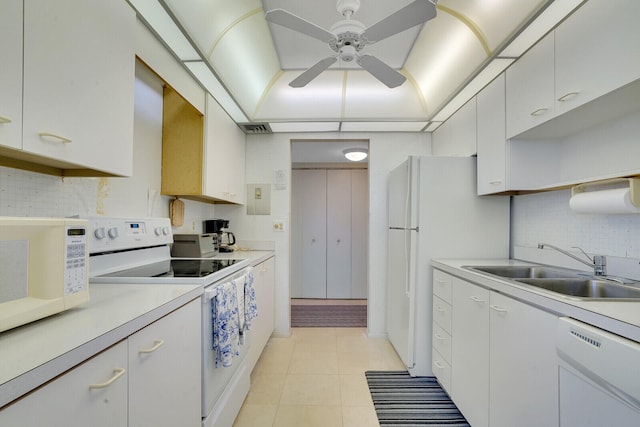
599	377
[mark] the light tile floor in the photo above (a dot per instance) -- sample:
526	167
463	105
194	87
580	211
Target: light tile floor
315	377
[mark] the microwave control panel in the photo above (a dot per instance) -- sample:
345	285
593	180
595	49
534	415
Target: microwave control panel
75	260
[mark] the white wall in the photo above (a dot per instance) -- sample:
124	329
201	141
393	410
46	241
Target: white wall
269	153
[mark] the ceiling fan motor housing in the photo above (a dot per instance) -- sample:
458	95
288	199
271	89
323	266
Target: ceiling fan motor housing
347	8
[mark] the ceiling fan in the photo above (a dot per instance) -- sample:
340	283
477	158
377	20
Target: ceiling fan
348	37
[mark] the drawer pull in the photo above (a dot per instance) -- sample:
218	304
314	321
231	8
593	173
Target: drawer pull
440	309
567	96
4	119
539	112
438	365
499	181
439	337
54	136
498	309
156	345
478	300
118	372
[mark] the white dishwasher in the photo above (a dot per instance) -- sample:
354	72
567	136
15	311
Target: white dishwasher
599	377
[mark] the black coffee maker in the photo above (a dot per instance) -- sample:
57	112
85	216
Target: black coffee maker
226	239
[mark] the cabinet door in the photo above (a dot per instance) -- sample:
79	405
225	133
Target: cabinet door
530	88
165	370
338	233
597	51
79	60
359	232
92	394
262	326
470	351
314	233
11	73
491	140
523	367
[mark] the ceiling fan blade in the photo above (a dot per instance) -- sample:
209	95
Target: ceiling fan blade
381	71
293	22
415	13
313	72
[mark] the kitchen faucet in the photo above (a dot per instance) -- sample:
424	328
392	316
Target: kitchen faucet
598	262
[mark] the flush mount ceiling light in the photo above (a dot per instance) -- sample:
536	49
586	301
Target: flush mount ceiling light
355	154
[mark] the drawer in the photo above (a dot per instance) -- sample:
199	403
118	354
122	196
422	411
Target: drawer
442	342
442	371
442	314
442	285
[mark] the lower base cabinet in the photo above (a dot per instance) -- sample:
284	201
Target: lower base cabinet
262	326
150	379
504	371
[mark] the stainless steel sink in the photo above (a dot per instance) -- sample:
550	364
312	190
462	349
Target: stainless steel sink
522	272
585	288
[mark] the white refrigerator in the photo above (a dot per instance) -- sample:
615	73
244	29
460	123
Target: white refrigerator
434	212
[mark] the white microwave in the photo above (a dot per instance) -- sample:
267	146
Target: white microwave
44	268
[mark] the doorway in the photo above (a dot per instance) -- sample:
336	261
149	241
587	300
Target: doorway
329	229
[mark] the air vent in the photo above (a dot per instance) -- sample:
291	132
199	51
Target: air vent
253	128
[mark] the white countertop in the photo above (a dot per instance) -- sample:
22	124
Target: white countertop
619	317
32	354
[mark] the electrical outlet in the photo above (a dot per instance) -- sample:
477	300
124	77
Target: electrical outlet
278	226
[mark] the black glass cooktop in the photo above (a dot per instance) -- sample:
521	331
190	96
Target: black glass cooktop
176	268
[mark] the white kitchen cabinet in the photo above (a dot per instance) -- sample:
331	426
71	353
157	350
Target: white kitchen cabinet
203	157
262	326
11	74
165	370
441	333
78	79
91	394
328	247
491	137
457	137
470	351
523	367
530	88
596	52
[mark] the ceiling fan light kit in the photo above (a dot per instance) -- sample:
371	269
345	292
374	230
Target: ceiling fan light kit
348	37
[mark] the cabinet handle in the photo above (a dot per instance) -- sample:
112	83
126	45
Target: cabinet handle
439	337
567	96
4	119
440	309
438	365
498	309
495	182
118	372
55	136
156	345
539	112
478	300
313	240
338	241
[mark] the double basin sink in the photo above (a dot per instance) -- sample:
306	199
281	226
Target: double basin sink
568	283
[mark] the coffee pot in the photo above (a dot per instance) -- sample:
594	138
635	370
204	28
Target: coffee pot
227	238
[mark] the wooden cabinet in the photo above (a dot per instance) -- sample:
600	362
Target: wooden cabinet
203	157
523	365
11	74
596	52
329	240
76	88
470	351
91	394
503	369
530	88
262	326
491	138
165	370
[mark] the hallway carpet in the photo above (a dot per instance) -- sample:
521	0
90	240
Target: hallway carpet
352	316
403	401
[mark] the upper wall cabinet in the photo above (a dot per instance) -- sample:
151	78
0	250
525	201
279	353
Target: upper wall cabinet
492	161
594	52
76	86
203	158
11	74
457	136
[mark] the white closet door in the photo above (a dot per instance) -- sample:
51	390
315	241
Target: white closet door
296	233
314	233
338	233
359	232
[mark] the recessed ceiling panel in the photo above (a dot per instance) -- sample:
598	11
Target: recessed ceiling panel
319	100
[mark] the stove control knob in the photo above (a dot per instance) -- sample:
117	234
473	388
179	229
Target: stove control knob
166	231
113	232
99	233
158	231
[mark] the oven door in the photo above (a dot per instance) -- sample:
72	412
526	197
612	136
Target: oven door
223	388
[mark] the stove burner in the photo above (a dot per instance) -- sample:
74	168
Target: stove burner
176	268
